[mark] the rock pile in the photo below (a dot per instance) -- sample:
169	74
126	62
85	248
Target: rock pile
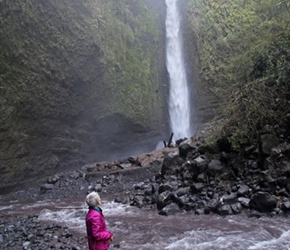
218	180
192	176
27	232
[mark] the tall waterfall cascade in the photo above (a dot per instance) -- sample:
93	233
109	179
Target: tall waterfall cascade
179	98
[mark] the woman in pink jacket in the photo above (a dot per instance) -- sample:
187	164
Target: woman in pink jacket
98	236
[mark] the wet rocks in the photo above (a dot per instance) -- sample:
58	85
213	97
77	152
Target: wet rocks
170	209
27	233
169	180
218	180
193	179
263	202
203	180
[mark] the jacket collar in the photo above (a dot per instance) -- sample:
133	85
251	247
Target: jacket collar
98	209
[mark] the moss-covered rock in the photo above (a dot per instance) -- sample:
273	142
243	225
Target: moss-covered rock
63	66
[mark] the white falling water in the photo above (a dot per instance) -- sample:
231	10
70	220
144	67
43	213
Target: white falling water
179	104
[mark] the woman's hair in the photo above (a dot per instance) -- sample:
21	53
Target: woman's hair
92	199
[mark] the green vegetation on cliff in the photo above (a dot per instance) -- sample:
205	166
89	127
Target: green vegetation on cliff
106	47
132	43
63	66
244	51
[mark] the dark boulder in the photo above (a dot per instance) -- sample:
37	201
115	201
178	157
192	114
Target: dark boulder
163	199
263	202
170	209
225	210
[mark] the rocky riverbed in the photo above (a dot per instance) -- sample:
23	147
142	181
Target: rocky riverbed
187	176
114	180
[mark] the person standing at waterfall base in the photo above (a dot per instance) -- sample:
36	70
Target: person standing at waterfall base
98	236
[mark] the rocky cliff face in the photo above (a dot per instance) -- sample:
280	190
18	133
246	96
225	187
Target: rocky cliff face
205	104
63	66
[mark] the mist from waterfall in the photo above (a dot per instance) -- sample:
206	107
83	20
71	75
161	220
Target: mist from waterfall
179	104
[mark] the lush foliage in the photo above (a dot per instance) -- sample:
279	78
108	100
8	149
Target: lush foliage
132	42
99	53
245	59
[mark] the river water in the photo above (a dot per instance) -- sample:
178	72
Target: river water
136	229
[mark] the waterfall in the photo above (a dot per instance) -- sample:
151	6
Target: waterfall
179	104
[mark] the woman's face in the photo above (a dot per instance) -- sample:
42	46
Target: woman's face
99	202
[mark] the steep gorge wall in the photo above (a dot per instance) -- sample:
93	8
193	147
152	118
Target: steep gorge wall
63	66
205	104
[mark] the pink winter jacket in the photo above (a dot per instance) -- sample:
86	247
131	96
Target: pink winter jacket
98	236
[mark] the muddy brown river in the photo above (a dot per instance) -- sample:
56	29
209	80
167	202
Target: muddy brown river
136	229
